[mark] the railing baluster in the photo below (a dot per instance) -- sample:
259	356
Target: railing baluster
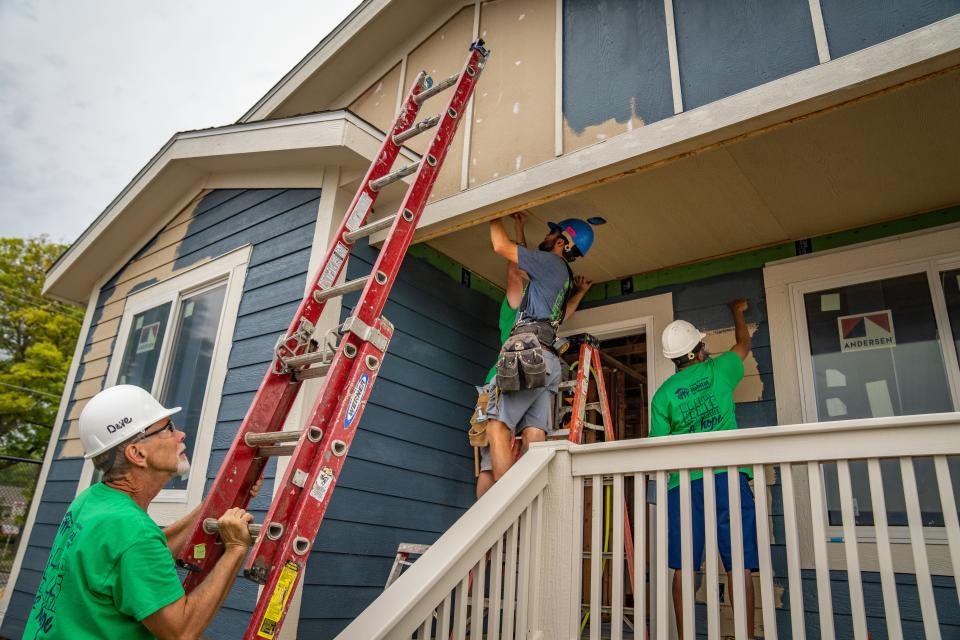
536	538
797	626
639	554
711	587
818	510
460	615
850	546
523	574
884	556
616	561
576	561
476	609
736	548
663	589
686	556
510	582
950	520
921	569
763	547
496	578
423	631
443	619
596	556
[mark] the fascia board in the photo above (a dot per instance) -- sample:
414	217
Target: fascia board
178	162
886	65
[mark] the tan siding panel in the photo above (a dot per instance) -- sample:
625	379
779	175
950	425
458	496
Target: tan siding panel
378	104
94	369
112	310
105	330
76	409
98	350
514	111
88	388
71	445
442	55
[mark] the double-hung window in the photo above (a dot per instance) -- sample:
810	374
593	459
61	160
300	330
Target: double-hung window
174	340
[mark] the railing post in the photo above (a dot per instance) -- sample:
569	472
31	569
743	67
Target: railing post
558	591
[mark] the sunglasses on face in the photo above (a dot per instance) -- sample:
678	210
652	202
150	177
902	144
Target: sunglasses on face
169	426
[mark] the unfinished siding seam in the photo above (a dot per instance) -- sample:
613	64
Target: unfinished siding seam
674	59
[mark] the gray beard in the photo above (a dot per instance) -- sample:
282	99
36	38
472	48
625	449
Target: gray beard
183	468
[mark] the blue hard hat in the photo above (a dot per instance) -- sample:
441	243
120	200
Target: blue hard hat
577	231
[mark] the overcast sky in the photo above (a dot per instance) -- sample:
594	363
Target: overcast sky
91	89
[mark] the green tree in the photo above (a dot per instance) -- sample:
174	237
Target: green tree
37	339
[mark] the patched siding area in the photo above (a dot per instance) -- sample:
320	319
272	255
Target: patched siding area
410	471
278	223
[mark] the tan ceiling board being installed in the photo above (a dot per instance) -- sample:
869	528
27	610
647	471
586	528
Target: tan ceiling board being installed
442	55
378	104
513	117
872	160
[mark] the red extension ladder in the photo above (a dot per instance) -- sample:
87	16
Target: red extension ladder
317	451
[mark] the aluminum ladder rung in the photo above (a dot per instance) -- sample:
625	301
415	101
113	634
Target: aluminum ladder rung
423	96
392	177
276	450
369	229
296	362
415	130
276	437
312	372
210	525
341	289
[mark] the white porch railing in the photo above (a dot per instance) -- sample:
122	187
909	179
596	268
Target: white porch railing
520	564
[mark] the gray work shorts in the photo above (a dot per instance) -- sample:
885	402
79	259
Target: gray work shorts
528	407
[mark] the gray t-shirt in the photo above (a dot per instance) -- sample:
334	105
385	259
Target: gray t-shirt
549	283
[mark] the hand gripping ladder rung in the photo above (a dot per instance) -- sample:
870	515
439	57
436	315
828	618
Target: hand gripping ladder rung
590	359
280	552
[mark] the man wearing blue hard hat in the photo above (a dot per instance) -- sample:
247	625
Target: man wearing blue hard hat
528	367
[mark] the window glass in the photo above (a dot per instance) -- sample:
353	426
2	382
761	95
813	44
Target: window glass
951	292
142	353
191	356
875	352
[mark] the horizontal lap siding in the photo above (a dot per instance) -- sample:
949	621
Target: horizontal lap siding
279	224
410	471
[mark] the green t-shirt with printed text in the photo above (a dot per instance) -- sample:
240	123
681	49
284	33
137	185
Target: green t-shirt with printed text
698	399
109	568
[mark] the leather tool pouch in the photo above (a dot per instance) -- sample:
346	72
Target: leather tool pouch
478	421
521	364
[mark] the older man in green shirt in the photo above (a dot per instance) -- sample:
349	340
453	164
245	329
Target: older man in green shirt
111	571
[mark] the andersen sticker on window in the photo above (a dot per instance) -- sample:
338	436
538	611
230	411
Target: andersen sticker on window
865	331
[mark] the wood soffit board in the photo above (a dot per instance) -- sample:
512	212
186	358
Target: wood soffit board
876	159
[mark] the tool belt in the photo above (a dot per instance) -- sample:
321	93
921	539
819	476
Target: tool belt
478	421
521	364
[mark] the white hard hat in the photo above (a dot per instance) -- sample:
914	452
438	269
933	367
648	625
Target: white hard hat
118	414
680	338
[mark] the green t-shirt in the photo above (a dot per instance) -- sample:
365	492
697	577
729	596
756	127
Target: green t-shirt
109	568
698	399
508	316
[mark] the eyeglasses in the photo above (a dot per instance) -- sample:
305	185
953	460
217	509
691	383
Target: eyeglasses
169	426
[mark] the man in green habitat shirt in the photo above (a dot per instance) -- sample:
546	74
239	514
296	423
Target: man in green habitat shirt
111	572
698	398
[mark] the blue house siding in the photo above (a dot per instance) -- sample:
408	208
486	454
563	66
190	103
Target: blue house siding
279	224
409	475
852	25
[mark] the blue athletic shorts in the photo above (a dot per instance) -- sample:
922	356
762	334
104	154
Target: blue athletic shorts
748	517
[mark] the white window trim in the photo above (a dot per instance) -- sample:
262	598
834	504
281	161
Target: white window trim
785	281
230	268
650	315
